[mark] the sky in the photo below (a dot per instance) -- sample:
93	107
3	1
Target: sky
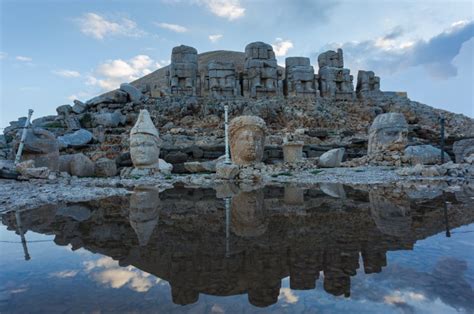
52	52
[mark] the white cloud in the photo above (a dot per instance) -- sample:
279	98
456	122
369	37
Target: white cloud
110	74
172	27
281	47
288	296
215	38
65	274
98	27
24	59
67	73
229	9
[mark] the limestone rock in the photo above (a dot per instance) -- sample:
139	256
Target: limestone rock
79	138
463	149
332	158
116	96
42	147
164	167
76	165
108	119
64	110
134	93
300	79
105	167
425	155
227	171
28	170
197	166
247	139
388	132
79	107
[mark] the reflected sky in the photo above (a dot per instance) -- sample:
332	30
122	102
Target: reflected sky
100	262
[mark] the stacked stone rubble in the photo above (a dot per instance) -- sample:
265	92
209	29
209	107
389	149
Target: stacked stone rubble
299	77
335	81
222	80
367	83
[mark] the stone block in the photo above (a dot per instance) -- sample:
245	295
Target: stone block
332	158
105	167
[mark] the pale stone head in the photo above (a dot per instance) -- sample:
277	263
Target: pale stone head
388	132
144	142
248	214
247	139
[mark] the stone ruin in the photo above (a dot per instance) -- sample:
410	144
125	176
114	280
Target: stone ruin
222	80
183	75
335	80
299	77
367	83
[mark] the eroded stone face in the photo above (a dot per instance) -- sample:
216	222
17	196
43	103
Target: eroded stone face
248	214
247	139
144	142
388	132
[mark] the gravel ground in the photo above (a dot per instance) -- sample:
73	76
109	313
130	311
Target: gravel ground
16	195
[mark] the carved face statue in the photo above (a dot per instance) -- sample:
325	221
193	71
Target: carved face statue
248	214
388	133
247	140
144	150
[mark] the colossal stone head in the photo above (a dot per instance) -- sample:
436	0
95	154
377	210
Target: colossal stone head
247	139
144	212
248	214
388	132
144	142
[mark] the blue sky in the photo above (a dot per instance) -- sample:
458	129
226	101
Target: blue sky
54	51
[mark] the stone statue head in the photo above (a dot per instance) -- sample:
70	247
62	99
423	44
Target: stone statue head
247	139
388	132
144	142
144	212
248	214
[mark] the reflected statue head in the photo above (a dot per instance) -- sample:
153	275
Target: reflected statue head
248	214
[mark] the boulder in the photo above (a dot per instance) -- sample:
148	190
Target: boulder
76	165
197	166
28	170
165	167
78	138
134	94
425	155
79	106
105	167
463	149
227	171
116	96
64	110
7	170
176	157
332	158
108	119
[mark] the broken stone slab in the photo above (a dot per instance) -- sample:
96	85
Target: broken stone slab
134	93
332	158
76	139
116	96
28	170
227	171
79	106
76	165
425	155
463	148
7	170
197	166
108	119
105	167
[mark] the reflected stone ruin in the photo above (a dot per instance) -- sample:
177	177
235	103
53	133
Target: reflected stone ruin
388	132
261	77
247	139
183	76
144	212
144	143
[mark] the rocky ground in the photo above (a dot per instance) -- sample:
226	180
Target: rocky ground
17	195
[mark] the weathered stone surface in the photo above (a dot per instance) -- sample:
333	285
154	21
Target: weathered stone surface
222	80
261	77
367	83
116	96
463	149
108	119
300	78
164	167
248	214
388	132
76	212
332	158
64	110
331	58
76	165
247	139
144	212
144	142
42	147
425	155
79	107
197	166
79	138
105	167
227	171
176	157
293	151
134	94
183	76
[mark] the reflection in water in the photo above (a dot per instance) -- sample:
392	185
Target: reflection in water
246	240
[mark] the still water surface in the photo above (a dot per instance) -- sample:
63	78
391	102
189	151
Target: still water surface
243	250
